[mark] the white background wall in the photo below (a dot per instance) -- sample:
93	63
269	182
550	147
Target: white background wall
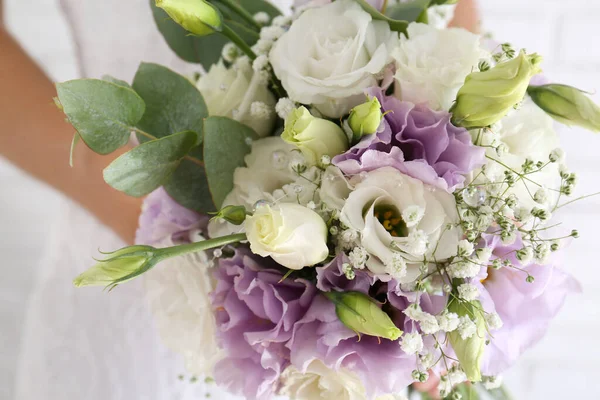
563	366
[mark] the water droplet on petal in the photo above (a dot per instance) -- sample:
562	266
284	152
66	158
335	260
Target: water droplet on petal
298	189
474	196
279	159
260	204
248	141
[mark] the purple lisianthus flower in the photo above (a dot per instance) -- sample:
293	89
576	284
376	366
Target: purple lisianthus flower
380	363
256	312
333	277
525	309
163	218
417	141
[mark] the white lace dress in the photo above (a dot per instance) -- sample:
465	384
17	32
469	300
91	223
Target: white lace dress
85	344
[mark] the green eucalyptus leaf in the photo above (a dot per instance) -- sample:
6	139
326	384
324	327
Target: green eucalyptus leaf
146	167
189	187
103	113
395	25
226	143
204	50
410	11
173	103
252	6
112	79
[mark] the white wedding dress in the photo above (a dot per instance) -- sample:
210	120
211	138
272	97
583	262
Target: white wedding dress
86	344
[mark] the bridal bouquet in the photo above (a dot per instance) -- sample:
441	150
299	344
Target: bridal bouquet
345	203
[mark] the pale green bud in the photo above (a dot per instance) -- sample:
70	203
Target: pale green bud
121	266
365	118
363	315
196	16
233	214
469	351
567	105
314	137
486	97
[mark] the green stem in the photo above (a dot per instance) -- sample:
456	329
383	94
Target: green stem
174	251
242	12
238	41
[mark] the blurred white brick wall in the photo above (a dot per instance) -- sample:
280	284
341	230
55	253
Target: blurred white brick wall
563	366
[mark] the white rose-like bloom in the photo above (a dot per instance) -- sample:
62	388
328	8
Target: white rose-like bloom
331	54
178	291
528	133
432	64
268	175
321	382
291	234
375	209
225	89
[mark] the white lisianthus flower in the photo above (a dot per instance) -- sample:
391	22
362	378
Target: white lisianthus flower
322	382
527	133
335	188
291	234
375	209
432	64
268	175
179	296
331	54
225	90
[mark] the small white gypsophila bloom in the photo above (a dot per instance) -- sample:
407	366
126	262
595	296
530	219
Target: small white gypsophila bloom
428	323
413	311
284	107
508	238
311	205
493	321
465	248
411	343
262	18
468	292
557	156
466	327
492	382
358	257
230	52
483	255
260	63
396	267
427	360
281	20
542	252
260	110
347	238
413	215
262	46
271	32
417	242
541	196
451	379
525	255
448	321
522	214
463	269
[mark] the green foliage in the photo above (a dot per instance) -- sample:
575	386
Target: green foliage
469	351
173	103
395	25
189	187
145	168
102	112
226	142
410	11
206	50
112	79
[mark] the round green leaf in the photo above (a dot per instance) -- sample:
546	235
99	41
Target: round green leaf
145	168
103	113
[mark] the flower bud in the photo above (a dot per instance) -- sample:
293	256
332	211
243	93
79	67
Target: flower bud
196	16
293	235
486	97
235	215
365	118
469	351
123	265
363	315
315	137
567	105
